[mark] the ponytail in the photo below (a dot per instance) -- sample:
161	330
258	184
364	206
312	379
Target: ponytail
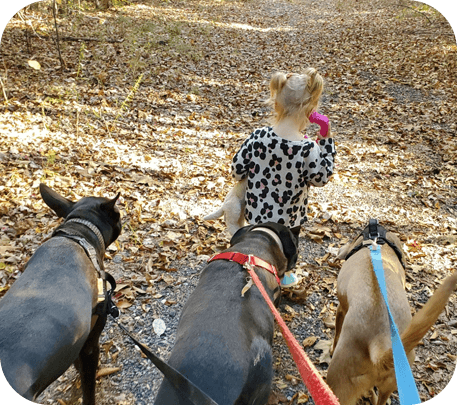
277	82
314	87
295	95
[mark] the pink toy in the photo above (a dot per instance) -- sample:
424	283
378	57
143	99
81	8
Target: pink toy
320	120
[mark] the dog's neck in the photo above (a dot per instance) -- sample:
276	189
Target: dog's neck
92	227
272	234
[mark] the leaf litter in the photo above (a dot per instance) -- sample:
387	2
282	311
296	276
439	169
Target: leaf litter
156	105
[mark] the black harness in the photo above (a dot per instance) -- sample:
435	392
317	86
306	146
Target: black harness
376	233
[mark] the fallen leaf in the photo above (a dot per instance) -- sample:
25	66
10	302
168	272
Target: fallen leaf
290	310
325	346
123	304
34	64
309	341
107	371
292	379
246	287
329	322
302	398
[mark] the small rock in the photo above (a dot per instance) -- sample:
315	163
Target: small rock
159	326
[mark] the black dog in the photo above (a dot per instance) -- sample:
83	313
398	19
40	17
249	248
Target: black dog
46	318
223	342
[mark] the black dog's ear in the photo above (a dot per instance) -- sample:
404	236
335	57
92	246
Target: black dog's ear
61	205
239	233
109	205
289	240
296	231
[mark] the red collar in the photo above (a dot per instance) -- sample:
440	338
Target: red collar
246	260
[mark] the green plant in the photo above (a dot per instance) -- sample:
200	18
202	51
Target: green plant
128	99
195	90
149	26
50	158
175	29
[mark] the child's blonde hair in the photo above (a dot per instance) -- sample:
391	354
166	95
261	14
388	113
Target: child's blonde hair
295	95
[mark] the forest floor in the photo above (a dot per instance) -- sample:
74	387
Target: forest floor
155	101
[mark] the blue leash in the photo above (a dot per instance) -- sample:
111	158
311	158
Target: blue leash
406	385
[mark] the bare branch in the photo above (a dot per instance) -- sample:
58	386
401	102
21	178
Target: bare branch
4	91
62	63
91	39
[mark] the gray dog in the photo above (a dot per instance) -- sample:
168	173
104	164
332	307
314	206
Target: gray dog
223	342
46	318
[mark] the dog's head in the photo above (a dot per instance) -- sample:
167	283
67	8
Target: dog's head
389	236
287	236
100	211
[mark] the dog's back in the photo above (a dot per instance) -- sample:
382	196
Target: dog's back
211	340
260	375
52	290
364	336
423	320
226	379
363	354
223	341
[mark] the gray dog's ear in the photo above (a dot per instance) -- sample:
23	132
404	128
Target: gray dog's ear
239	233
296	231
61	205
109	205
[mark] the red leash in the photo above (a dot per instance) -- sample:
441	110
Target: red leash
319	390
317	387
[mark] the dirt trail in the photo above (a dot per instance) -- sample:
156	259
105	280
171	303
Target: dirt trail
158	117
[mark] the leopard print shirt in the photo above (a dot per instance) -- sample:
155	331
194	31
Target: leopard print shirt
279	173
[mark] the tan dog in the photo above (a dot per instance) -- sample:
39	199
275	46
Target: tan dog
232	208
362	353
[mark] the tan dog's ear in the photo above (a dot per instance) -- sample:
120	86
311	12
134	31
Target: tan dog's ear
396	240
344	250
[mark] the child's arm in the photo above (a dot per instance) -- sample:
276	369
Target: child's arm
319	164
240	162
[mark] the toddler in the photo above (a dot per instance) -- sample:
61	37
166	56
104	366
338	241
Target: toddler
279	162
